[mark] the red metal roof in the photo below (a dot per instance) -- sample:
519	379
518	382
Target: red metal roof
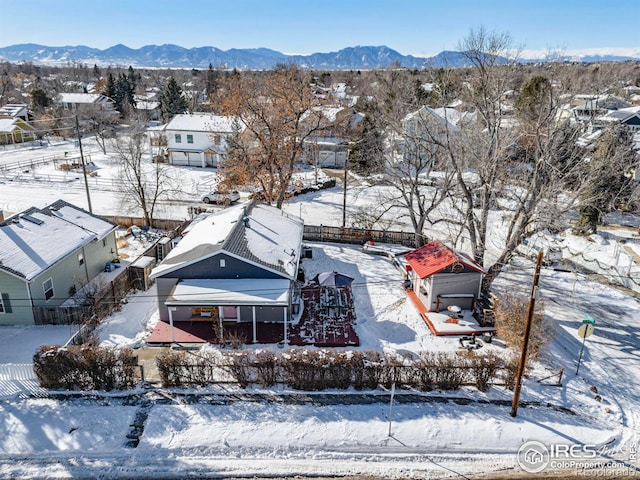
435	257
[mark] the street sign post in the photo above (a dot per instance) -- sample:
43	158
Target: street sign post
585	330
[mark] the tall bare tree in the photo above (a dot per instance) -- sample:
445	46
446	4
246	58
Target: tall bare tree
143	182
410	153
99	122
278	112
521	170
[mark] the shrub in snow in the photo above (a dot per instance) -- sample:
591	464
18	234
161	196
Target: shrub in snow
484	368
85	367
510	312
180	368
314	370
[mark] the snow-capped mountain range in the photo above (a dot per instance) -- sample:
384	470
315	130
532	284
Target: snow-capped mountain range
359	57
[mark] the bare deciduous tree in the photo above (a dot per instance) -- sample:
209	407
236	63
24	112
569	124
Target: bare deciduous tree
143	182
278	113
99	122
521	168
410	153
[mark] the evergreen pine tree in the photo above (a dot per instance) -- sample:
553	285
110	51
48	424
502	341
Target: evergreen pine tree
211	81
110	87
172	102
39	99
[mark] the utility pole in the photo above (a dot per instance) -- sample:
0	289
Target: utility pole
527	333
344	193
84	168
344	181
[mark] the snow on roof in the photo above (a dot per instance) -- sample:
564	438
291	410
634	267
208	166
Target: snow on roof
81	218
146	105
447	117
13	109
621	114
8	125
31	242
82	98
201	122
328	141
454	116
243	291
435	257
204	239
261	234
274	237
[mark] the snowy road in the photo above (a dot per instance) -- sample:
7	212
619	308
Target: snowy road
88	436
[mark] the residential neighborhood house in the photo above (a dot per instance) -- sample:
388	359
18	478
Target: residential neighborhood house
15	110
73	101
46	256
236	266
198	139
15	130
442	277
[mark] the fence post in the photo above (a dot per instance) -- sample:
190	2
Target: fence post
113	292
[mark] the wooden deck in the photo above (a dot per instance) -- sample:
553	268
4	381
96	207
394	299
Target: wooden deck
441	325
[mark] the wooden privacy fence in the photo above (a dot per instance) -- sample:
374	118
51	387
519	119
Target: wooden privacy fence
323	233
161	224
95	306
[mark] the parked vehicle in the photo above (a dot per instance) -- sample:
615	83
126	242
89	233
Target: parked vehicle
221	198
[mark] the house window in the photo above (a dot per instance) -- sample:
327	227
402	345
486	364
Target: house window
189	138
223	263
3	298
47	287
216	139
104	242
178	138
80	259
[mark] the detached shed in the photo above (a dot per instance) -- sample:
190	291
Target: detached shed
139	272
442	277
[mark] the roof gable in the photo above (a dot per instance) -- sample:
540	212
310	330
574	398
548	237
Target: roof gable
434	257
258	234
36	239
201	122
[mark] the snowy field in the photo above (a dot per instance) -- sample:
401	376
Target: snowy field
87	437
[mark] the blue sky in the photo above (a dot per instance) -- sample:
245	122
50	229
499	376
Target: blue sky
422	27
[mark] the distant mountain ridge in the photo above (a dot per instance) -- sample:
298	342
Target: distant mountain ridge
174	56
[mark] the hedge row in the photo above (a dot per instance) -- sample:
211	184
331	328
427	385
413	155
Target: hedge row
314	370
85	368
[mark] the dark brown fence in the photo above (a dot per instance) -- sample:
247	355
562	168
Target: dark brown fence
360	236
162	224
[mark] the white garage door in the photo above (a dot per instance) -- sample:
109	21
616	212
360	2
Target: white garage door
179	158
195	159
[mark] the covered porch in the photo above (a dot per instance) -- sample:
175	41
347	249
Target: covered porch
215	309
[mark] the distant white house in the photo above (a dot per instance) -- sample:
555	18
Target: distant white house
329	146
72	101
629	117
420	126
198	139
597	106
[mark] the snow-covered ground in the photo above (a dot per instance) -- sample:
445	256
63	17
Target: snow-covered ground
87	436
